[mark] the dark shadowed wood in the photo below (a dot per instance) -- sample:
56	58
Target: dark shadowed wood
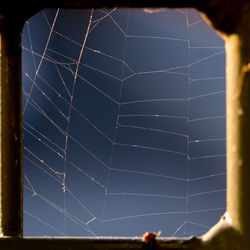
89	244
11	132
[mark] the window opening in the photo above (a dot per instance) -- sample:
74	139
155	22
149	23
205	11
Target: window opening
123	122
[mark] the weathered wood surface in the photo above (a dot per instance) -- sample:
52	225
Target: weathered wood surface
103	244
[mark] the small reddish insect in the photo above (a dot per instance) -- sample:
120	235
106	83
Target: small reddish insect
149	240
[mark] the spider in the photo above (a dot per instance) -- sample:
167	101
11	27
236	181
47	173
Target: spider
149	240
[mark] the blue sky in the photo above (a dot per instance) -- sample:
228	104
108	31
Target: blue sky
124	123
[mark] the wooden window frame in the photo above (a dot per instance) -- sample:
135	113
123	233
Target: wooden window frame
231	19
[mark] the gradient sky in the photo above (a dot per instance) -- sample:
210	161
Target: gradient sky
124	123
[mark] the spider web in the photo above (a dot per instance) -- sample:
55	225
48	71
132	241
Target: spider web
123	123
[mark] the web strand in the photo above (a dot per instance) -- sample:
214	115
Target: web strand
41	60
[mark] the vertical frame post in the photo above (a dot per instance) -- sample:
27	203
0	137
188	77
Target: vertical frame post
10	131
238	131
